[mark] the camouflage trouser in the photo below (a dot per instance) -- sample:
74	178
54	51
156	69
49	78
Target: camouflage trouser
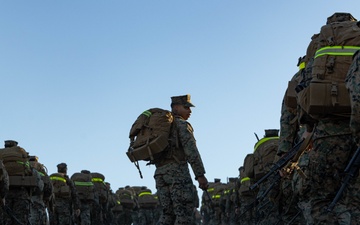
248	217
146	216
62	212
38	212
332	147
123	217
176	195
18	201
85	213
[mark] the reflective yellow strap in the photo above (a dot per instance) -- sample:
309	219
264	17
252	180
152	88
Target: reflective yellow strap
80	183
216	196
97	180
58	178
118	202
27	164
145	193
147	113
41	174
337	50
244	179
226	192
302	66
210	189
263	140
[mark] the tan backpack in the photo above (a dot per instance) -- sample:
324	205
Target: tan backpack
16	162
149	134
84	186
326	94
126	198
60	187
146	199
98	180
264	154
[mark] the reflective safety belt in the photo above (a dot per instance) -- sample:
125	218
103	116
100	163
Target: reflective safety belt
264	140
97	180
145	193
245	179
302	66
80	183
147	113
58	178
216	196
337	50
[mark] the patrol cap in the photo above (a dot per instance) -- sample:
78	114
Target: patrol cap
272	133
182	100
62	167
10	143
34	158
217	180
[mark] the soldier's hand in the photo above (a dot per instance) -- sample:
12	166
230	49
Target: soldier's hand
77	212
203	182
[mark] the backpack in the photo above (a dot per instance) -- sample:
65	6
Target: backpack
84	186
100	186
326	93
149	134
16	162
264	154
126	198
146	199
249	165
60	187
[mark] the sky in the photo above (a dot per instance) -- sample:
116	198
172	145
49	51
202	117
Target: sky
76	74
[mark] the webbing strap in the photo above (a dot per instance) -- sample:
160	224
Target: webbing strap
263	140
245	179
144	193
97	180
58	178
80	183
302	66
337	50
147	113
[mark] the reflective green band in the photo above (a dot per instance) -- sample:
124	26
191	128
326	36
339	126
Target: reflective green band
27	164
97	180
216	196
245	179
58	178
210	189
41	174
147	113
302	66
145	193
337	50
80	183
263	140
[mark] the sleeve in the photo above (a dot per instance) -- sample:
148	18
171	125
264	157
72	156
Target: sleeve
188	142
74	194
352	82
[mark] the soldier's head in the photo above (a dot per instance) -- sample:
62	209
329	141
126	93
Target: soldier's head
62	168
180	105
34	158
10	143
217	180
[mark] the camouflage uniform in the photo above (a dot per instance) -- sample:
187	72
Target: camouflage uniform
173	181
332	145
64	207
4	189
231	202
352	196
19	197
290	133
40	199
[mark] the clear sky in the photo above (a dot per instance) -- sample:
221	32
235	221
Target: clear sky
76	74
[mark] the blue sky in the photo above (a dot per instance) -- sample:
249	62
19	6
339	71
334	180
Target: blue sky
76	74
